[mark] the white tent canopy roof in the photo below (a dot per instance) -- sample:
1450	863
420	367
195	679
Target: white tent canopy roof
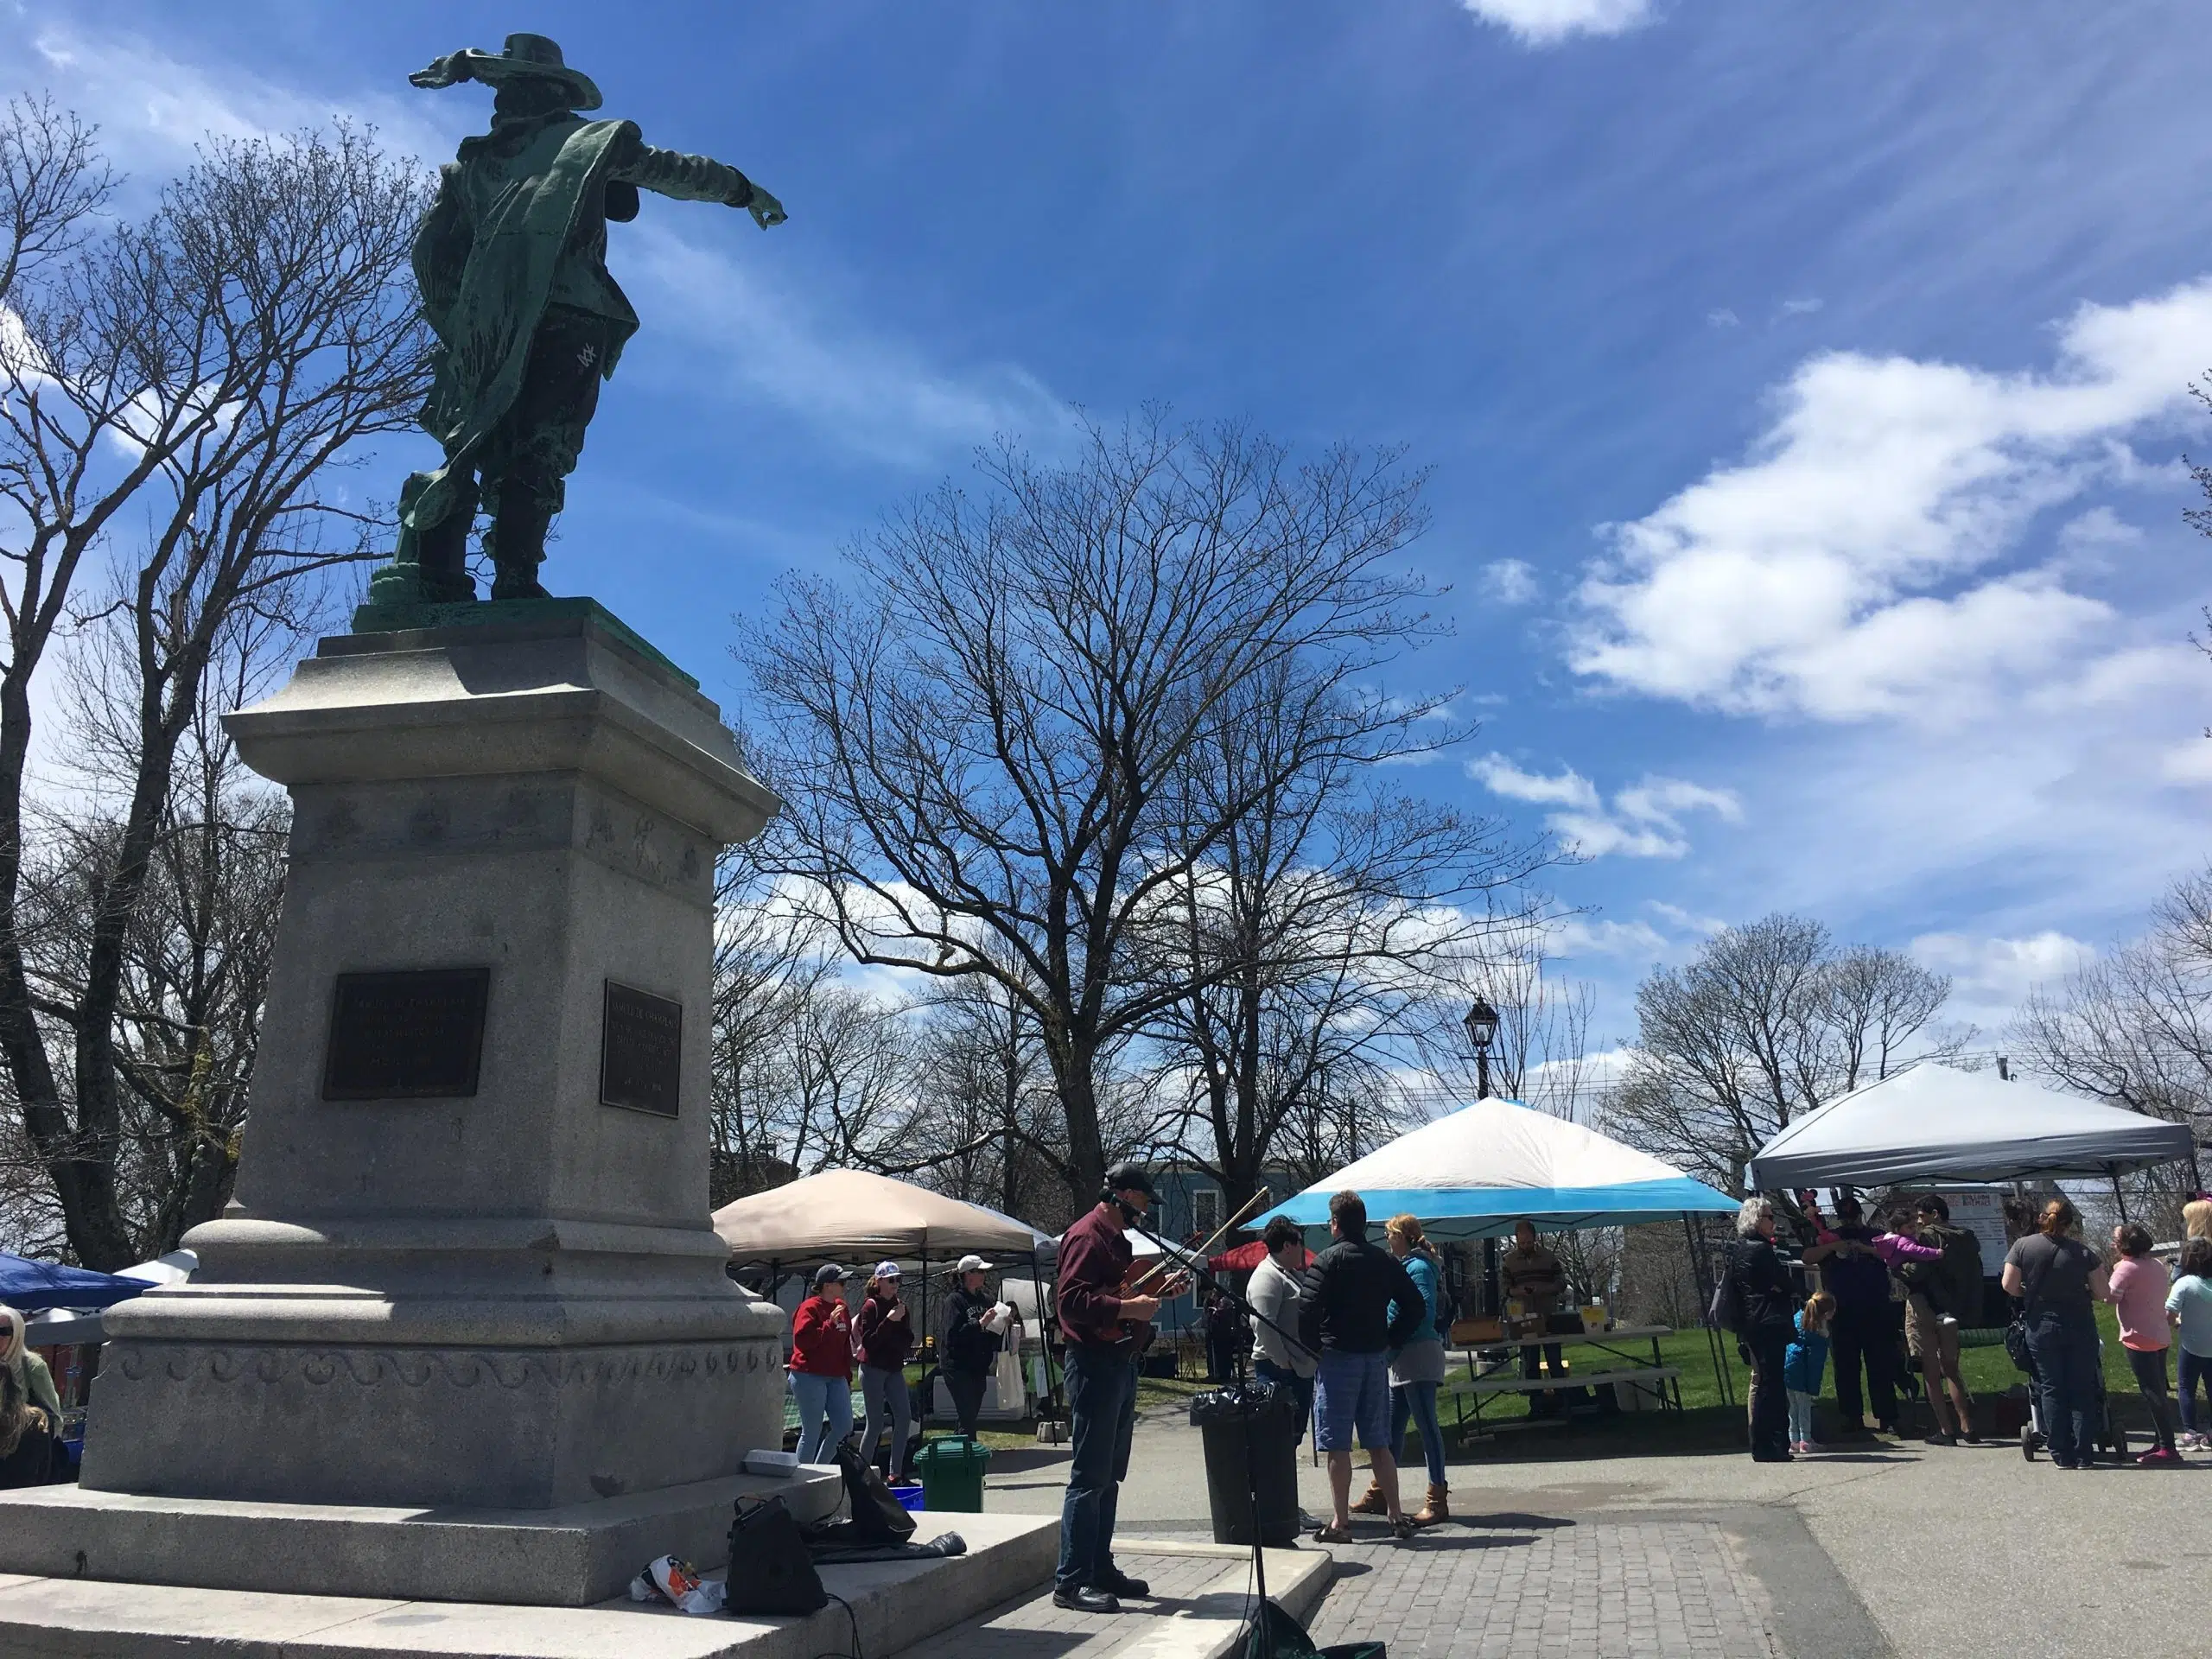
1474	1172
855	1217
1936	1122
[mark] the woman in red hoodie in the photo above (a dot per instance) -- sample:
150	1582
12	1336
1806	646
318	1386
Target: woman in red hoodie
822	1366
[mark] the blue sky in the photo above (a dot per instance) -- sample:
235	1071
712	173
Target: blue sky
1804	385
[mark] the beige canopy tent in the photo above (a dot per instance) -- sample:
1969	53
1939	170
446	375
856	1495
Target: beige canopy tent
854	1218
851	1216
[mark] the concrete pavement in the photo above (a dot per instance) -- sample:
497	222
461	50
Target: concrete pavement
1891	1547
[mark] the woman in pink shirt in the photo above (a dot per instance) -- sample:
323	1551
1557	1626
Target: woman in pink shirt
2138	1291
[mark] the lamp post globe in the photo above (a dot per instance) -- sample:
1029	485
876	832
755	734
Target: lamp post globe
1481	1029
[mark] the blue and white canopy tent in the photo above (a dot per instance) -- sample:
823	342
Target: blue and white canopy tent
1476	1171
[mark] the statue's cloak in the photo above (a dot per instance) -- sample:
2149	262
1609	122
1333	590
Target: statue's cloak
487	258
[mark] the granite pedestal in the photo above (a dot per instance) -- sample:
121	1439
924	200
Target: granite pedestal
469	1266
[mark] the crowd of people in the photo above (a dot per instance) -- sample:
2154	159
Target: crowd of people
1924	1280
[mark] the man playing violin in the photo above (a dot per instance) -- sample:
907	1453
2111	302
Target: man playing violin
1096	1320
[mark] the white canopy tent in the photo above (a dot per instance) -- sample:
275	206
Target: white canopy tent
853	1216
1936	1122
1476	1171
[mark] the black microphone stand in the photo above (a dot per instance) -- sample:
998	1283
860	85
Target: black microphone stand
1208	1277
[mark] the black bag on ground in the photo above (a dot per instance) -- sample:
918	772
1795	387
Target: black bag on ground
770	1570
878	1517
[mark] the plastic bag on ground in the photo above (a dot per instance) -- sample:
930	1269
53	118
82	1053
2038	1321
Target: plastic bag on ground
677	1582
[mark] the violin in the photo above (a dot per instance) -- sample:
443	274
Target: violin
1166	1280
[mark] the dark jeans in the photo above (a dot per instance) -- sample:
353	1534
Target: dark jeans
1769	1347
1869	1334
2195	1370
1302	1387
966	1389
2065	1353
2149	1369
1103	1407
31	1463
1221	1356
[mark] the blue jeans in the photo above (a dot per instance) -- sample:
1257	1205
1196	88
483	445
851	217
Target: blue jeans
1302	1388
2066	1360
2194	1368
1102	1410
825	1413
1416	1402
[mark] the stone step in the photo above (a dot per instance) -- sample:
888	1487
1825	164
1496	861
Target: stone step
893	1606
1201	1596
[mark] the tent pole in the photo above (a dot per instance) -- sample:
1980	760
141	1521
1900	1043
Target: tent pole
1700	1274
2118	1197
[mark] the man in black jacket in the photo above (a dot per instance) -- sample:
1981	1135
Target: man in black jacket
1358	1304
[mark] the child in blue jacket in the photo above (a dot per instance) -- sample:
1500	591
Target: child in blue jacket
1804	1364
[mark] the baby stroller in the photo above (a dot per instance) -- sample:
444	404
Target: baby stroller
2106	1435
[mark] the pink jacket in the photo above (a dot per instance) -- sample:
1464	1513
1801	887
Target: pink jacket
1894	1248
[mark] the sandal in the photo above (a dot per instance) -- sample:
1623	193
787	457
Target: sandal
1330	1533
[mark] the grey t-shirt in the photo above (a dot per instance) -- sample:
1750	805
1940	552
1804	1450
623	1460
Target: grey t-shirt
2055	1272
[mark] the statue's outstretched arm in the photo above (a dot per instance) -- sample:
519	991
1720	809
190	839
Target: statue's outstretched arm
695	178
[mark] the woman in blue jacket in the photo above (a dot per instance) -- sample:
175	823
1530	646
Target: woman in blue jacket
1418	1368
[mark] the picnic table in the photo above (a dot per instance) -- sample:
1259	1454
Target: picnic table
1646	1375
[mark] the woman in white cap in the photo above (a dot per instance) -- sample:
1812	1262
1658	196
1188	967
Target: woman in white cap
966	1350
822	1366
884	1336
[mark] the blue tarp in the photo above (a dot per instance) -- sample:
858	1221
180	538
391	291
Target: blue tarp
28	1286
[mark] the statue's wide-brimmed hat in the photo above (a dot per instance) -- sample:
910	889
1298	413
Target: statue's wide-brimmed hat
524	58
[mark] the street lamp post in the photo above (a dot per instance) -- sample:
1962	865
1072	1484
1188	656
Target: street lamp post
1481	1030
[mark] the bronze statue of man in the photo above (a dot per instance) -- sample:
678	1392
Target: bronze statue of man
511	259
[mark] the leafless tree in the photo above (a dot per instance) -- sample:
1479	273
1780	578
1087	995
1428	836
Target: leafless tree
1539	1056
178	389
1307	941
979	736
1766	1023
196	955
2134	1028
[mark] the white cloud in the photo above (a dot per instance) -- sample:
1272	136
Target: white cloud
1644	820
1574	936
1990	976
2189	762
1833	574
1800	307
1722	317
1509	581
1547	22
152	107
878	395
1707	926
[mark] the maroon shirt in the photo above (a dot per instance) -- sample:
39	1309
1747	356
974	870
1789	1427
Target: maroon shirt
1094	1254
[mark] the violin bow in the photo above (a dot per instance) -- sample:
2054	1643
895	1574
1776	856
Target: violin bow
1204	1249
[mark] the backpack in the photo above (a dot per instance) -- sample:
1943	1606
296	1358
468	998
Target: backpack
1727	1313
770	1571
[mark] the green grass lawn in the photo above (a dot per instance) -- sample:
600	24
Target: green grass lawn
1706	1423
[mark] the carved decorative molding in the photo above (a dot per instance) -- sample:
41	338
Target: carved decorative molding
415	1368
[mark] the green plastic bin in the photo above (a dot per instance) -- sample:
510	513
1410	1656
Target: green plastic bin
951	1468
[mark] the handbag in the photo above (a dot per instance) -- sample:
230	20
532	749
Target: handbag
2016	1346
770	1570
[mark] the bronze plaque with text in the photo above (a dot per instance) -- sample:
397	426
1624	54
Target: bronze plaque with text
408	1034
641	1052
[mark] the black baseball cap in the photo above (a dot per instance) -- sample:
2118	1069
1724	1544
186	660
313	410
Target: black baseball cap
1130	1177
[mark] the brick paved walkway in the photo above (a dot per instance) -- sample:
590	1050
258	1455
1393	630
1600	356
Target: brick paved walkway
1609	1589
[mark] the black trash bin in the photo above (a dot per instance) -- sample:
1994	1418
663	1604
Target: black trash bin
1268	1418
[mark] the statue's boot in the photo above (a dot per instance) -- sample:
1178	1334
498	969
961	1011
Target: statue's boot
442	557
518	545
